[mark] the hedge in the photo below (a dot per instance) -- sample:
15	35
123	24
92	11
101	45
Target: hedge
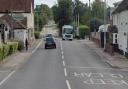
7	49
1	52
13	47
83	31
37	34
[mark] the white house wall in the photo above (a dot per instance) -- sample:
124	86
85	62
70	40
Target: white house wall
121	21
21	34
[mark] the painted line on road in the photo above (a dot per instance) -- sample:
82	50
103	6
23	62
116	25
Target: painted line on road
88	67
6	78
62	52
36	47
64	63
62	56
65	72
68	84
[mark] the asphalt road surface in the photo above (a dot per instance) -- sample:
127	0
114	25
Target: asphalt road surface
73	65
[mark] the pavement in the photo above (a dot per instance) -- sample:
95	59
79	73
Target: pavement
117	60
17	59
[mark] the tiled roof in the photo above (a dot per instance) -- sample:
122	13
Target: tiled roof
16	5
121	7
16	24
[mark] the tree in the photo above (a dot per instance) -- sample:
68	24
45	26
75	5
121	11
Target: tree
55	10
63	13
42	15
98	9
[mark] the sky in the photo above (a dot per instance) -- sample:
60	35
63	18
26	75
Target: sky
53	2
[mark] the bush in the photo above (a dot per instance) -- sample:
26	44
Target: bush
5	50
83	30
20	45
1	52
13	47
37	35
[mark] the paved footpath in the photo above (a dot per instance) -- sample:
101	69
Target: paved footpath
117	60
18	59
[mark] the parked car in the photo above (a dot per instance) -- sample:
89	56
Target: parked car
50	43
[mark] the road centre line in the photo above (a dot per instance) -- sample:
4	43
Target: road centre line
62	56
65	72
62	52
64	63
6	78
67	82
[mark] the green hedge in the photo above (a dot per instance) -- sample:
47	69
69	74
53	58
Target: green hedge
83	31
1	52
13	47
7	49
37	34
20	45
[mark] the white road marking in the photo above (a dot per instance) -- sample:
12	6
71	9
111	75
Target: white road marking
79	67
65	72
36	47
62	56
67	82
62	52
6	78
64	63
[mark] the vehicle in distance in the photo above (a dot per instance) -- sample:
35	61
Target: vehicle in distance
50	43
67	32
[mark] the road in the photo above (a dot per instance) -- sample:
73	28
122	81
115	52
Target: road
73	65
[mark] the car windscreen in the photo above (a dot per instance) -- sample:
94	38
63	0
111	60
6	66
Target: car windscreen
50	40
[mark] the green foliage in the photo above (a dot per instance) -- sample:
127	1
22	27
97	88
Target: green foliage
98	9
5	50
55	10
1	52
20	45
83	30
37	34
13	47
63	13
42	15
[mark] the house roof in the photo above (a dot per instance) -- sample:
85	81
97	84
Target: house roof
16	5
16	24
121	7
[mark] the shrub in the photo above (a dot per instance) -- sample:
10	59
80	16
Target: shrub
20	45
13	47
1	52
5	50
83	30
37	34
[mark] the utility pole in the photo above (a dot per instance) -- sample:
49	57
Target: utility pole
105	28
37	21
78	18
89	21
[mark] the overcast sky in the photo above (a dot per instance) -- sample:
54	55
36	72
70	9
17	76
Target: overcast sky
52	2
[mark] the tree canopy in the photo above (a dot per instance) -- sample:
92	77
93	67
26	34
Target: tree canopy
42	15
